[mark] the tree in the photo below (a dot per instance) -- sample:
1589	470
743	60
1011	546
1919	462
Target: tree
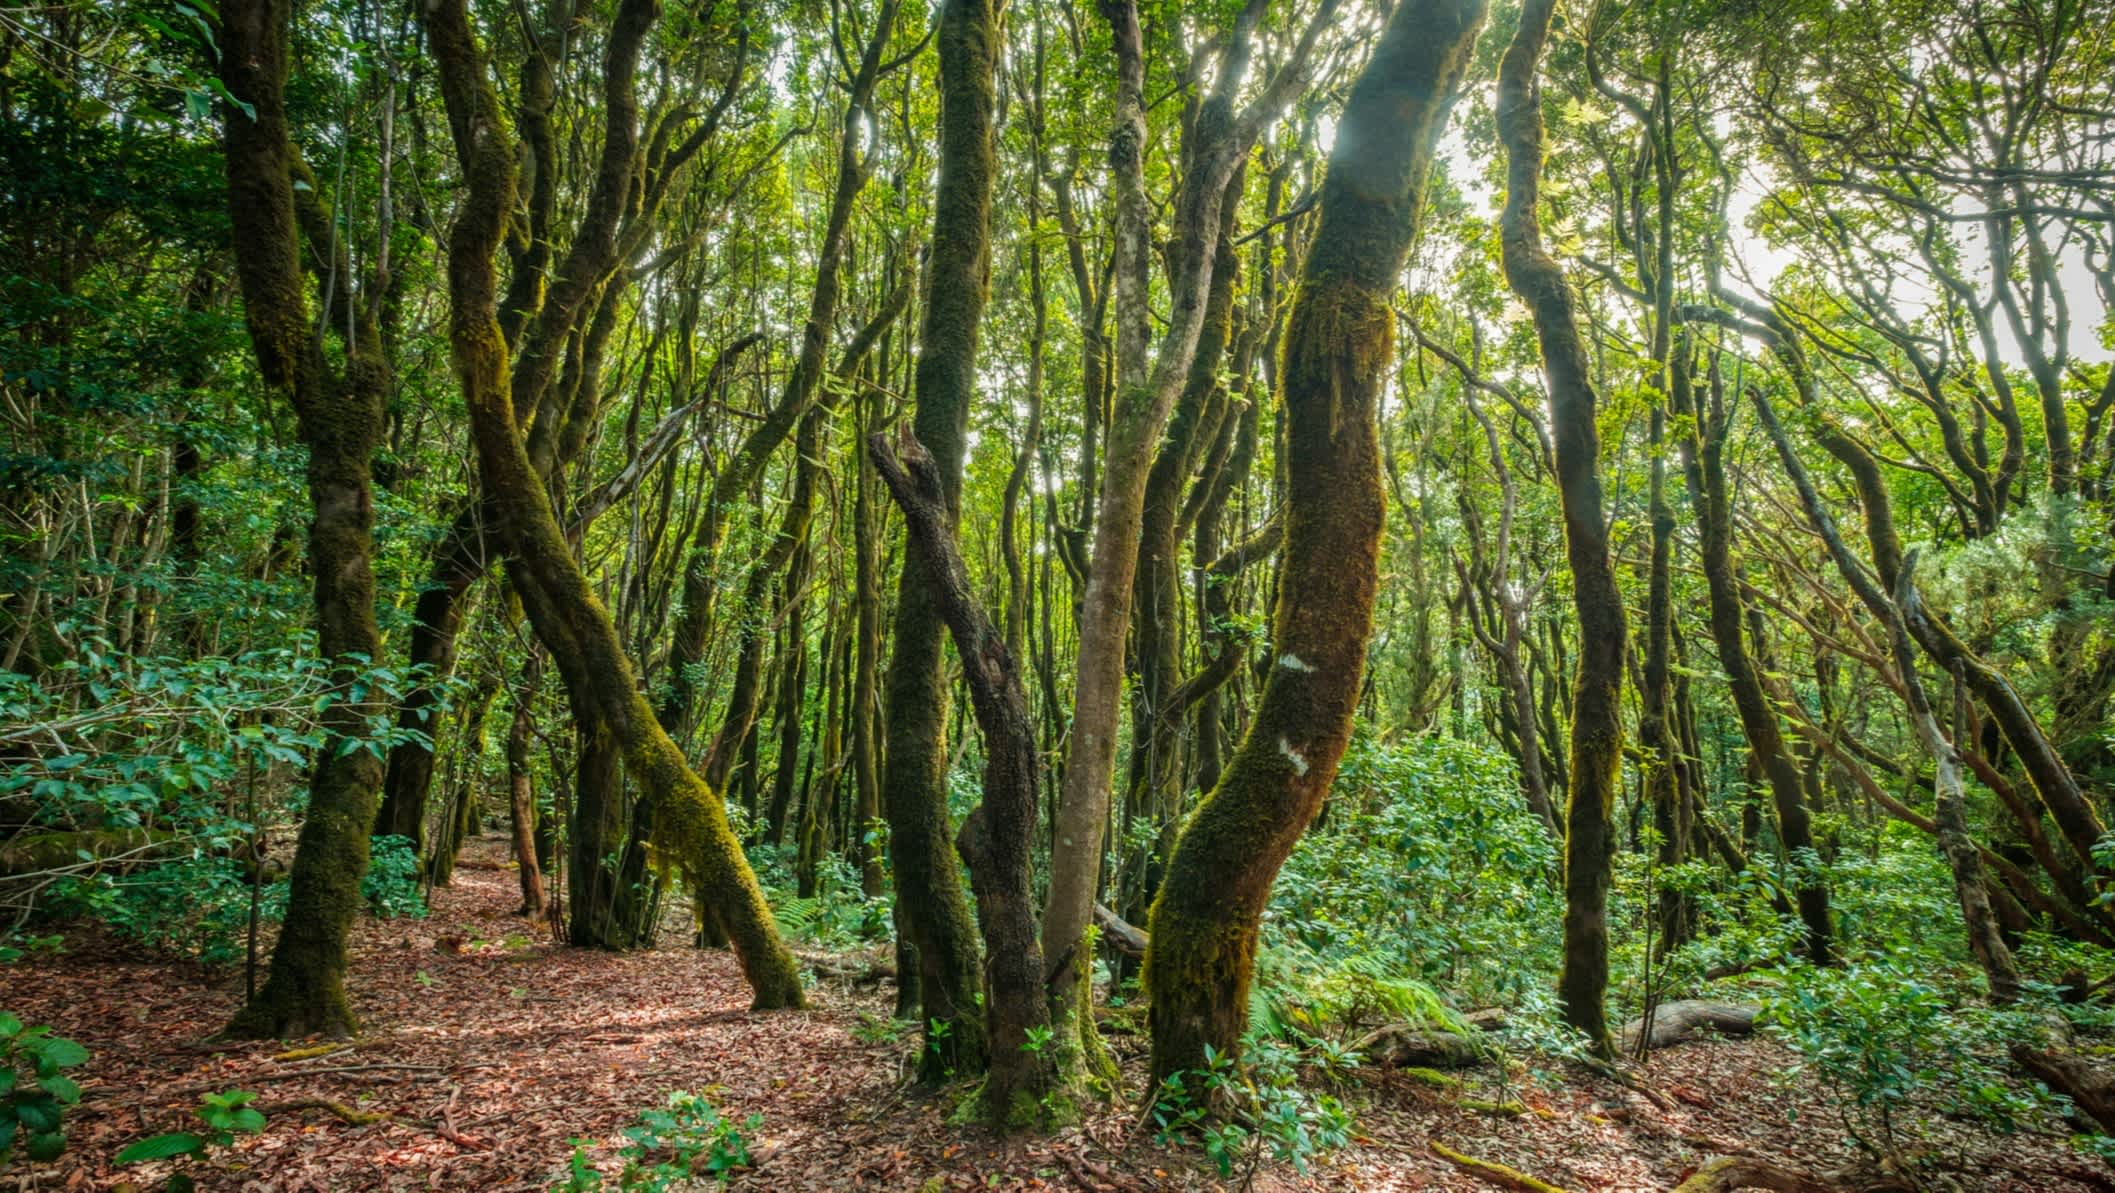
1597	710
339	414
690	822
1338	345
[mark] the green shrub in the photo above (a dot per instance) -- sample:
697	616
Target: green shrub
391	884
669	1148
35	1090
1887	1047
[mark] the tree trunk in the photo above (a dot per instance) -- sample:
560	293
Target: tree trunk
931	906
998	838
1201	952
1597	704
689	821
521	791
1702	454
340	422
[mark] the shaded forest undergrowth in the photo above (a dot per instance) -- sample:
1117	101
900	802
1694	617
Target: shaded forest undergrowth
493	1058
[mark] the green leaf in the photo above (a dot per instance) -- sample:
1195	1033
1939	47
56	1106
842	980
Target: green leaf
163	1147
45	1146
38	1112
65	1089
64	1053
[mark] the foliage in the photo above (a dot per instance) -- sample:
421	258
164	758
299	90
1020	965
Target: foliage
197	907
35	1090
1890	1049
671	1147
1426	856
225	1115
1240	1112
391	884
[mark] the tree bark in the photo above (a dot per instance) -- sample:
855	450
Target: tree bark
998	838
340	419
1597	704
689	820
931	907
1202	936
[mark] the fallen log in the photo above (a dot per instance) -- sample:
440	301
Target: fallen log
1400	1045
1127	938
2091	1087
1684	1020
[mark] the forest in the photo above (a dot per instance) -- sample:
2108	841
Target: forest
1031	594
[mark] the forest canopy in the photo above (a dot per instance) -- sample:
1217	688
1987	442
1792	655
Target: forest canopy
1154	594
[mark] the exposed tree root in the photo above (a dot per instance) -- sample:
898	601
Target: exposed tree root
2091	1087
358	1118
1496	1174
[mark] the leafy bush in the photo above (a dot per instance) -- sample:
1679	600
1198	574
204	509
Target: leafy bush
391	884
669	1148
198	907
1886	1045
1236	1112
35	1090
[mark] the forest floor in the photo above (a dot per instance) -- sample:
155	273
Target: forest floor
488	1064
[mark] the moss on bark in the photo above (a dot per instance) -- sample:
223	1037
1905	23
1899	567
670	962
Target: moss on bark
689	822
1201	954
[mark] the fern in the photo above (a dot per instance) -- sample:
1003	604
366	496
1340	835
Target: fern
1297	993
800	917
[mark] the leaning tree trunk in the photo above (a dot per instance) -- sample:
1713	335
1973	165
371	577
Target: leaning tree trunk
1202	948
340	421
998	838
930	903
689	820
1950	816
1597	698
1702	454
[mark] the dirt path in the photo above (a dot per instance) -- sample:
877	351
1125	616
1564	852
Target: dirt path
489	1062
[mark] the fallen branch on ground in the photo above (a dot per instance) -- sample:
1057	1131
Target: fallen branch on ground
1127	938
1496	1174
1727	1173
1684	1020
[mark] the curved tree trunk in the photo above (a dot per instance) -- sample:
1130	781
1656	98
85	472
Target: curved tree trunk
1597	698
340	422
1201	953
1702	456
689	819
998	838
931	907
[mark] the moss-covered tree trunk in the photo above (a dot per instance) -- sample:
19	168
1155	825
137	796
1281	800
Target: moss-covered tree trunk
1339	344
1597	603
689	821
931	908
1702	455
998	838
340	422
1147	384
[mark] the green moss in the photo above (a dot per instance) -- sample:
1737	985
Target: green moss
1432	1078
